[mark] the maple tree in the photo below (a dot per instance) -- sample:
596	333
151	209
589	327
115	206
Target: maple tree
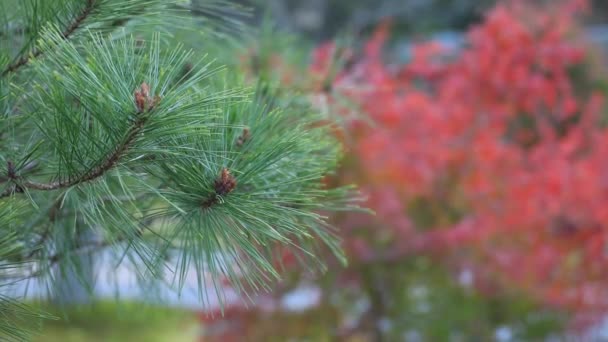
491	158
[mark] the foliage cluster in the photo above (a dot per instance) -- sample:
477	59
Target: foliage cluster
114	138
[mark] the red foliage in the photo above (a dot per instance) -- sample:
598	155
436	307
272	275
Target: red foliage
499	141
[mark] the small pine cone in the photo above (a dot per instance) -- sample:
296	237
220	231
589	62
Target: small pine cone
145	90
140	102
244	137
143	100
225	183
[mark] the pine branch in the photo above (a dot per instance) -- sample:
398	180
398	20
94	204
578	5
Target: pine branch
144	103
69	31
104	148
110	161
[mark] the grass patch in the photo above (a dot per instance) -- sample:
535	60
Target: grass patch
110	321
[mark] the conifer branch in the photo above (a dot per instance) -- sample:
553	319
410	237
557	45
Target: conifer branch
69	31
110	161
209	134
144	103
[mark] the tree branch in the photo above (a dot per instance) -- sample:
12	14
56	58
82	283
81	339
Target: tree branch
74	25
144	103
98	171
109	162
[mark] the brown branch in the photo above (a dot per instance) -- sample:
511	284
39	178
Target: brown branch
69	31
110	161
144	104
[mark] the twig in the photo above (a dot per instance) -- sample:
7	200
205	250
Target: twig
110	161
142	115
73	27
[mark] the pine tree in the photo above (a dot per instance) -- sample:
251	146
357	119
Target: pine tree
107	126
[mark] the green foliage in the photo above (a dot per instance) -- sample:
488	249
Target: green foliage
427	292
13	314
115	321
275	200
159	151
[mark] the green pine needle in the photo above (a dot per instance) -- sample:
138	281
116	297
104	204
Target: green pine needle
108	127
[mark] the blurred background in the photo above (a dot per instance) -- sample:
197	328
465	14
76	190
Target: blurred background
476	130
